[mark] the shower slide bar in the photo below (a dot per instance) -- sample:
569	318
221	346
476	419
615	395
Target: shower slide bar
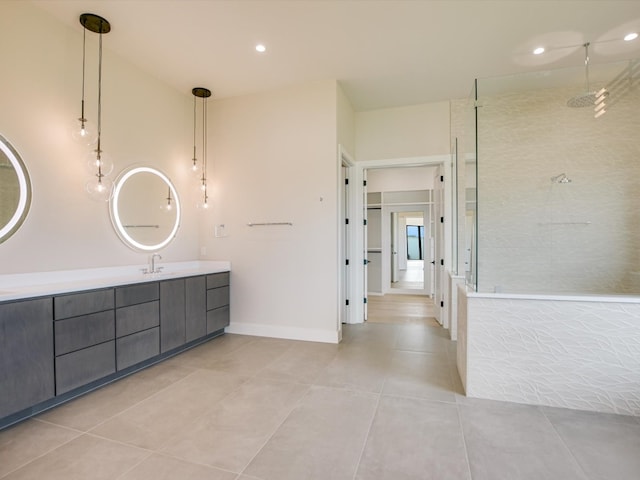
266	224
565	223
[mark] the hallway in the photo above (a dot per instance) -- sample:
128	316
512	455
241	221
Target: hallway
386	403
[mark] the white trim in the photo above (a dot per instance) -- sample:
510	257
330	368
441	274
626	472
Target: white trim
360	167
289	333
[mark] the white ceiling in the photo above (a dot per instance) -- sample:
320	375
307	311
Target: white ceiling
384	53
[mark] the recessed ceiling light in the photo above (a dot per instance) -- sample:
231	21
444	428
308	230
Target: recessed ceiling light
630	36
261	48
538	51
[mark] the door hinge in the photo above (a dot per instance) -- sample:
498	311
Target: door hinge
346	221
346	181
364	183
365	261
441	219
441	303
442	178
442	262
347	302
347	261
365	299
364	222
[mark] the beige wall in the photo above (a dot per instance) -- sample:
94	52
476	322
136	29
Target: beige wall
274	159
412	131
144	121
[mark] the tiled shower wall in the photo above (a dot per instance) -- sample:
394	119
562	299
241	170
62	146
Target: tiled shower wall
536	236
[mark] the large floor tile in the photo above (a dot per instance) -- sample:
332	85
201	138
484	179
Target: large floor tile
302	363
370	335
28	440
422	339
232	434
251	358
322	438
94	408
413	439
153	422
606	446
423	375
514	442
85	457
357	368
209	354
160	467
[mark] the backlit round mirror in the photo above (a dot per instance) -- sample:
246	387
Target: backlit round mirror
15	190
145	209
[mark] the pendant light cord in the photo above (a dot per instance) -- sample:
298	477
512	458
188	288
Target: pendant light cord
586	65
84	50
194	133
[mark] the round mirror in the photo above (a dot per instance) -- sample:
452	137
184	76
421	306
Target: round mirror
145	209
15	190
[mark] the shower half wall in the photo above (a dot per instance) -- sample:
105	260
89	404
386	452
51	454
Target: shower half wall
552	315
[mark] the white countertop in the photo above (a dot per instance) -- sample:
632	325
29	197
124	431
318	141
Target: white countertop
38	284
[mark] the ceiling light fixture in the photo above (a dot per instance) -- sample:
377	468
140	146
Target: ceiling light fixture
261	48
99	188
202	93
630	36
538	51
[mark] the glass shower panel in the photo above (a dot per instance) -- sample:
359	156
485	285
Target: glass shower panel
558	188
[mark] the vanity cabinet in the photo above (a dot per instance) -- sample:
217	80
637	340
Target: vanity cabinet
84	338
195	308
26	353
137	324
58	347
172	314
218	290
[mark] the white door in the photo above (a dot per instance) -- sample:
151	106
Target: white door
439	274
346	238
364	236
394	248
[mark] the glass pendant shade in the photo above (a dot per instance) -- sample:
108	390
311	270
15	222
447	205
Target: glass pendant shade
100	188
104	163
84	133
203	204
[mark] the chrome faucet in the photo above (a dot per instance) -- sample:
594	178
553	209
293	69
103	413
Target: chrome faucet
152	263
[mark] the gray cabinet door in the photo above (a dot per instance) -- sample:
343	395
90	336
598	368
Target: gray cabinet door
217	319
136	318
84	331
217	297
172	314
196	307
26	354
135	348
133	294
84	366
216	280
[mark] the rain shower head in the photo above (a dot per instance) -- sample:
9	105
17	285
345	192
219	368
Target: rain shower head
587	98
562	178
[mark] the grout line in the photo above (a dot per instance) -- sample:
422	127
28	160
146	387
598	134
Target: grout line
555	430
464	442
366	438
275	430
47	452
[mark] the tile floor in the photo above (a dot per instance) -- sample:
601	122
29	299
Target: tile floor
384	404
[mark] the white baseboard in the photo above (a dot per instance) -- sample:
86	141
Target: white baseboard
289	333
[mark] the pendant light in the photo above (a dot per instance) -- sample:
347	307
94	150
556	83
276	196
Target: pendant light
99	163
202	93
84	132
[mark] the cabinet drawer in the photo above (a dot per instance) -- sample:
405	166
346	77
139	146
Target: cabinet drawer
137	347
217	297
216	280
217	319
137	317
76	304
133	294
84	331
84	366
